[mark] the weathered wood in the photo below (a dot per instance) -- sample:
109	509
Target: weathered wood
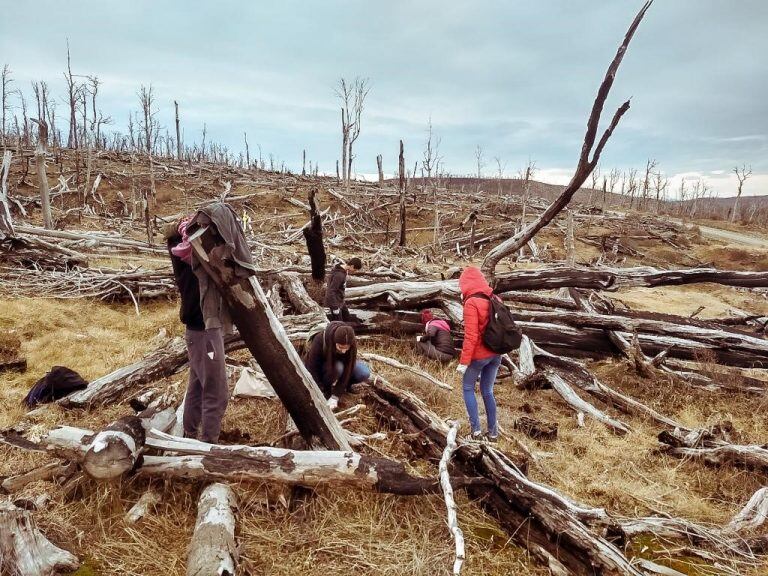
195	459
267	340
552	523
115	450
570	397
450	502
6	222
585	164
142	507
44	472
400	366
24	550
703	445
212	549
313	234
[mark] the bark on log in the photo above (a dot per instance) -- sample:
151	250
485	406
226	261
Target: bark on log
6	222
703	445
269	344
294	467
115	450
400	366
25	551
212	549
142	507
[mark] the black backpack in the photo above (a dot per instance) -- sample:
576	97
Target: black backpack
501	334
59	382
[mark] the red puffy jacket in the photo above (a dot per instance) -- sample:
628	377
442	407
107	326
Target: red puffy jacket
476	315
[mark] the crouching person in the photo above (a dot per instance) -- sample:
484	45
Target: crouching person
436	342
332	361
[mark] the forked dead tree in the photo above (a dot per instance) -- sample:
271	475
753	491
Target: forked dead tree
585	165
741	174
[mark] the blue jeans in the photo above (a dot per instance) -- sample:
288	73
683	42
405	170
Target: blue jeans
486	369
360	373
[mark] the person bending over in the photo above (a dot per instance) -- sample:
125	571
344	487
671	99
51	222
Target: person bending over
436	342
332	361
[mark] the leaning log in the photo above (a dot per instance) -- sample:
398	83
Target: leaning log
585	164
212	549
25	551
267	340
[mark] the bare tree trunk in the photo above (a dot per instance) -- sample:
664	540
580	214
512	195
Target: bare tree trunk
402	195
6	222
45	192
344	147
381	170
585	165
303	162
178	132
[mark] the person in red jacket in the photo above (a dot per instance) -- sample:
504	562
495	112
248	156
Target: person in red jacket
476	359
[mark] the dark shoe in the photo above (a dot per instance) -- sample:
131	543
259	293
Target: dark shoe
474	437
492	439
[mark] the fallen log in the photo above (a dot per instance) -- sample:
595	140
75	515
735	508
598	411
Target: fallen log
310	469
705	446
400	366
554	529
45	472
142	507
212	549
450	502
25	551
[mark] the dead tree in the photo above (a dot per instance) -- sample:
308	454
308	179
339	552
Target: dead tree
313	234
741	174
401	164
352	96
73	97
379	161
5	82
6	222
178	132
45	192
585	165
480	165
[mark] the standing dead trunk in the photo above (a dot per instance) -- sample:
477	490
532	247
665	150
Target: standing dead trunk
178	132
45	191
585	165
313	234
381	169
6	222
402	196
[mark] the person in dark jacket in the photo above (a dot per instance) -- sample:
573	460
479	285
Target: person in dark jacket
436	342
477	360
332	361
337	285
207	392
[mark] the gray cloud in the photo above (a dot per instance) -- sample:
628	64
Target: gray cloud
516	78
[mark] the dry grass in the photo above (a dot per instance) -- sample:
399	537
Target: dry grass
340	532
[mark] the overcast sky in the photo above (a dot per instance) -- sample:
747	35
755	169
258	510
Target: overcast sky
516	78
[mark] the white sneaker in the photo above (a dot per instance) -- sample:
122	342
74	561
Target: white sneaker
333	402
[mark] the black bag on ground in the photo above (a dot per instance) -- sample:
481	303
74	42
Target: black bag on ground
59	382
501	334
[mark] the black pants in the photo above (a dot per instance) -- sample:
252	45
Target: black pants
207	392
342	314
